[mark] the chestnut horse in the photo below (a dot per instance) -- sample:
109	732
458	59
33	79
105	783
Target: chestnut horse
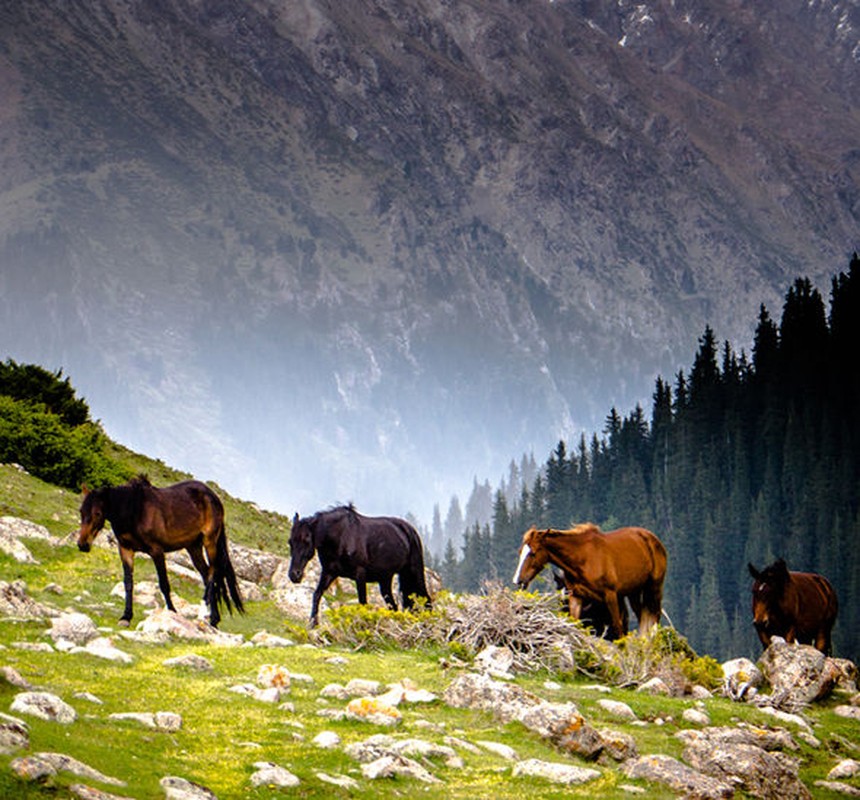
144	519
798	606
605	567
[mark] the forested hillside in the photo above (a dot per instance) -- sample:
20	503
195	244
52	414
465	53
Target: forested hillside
742	460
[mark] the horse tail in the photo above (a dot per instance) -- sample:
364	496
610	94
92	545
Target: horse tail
412	581
224	583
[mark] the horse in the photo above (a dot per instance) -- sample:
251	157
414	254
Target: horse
606	567
155	521
364	549
798	606
593	614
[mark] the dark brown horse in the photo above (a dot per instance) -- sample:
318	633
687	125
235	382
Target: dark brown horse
606	567
593	614
365	549
798	606
144	519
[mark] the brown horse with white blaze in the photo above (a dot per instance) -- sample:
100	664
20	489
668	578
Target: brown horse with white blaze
144	519
798	606
606	567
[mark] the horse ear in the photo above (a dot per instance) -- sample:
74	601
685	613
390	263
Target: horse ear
85	490
753	571
295	517
781	567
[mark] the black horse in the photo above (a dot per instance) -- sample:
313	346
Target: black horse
157	521
365	549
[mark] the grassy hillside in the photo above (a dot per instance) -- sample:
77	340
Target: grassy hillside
223	733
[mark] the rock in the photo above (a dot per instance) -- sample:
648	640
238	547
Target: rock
182	789
103	647
89	793
764	738
191	661
14	678
839	787
327	740
14	734
89	697
164	621
847	712
762	773
17	604
273	675
847	768
165	721
270	695
264	639
798	674
566	774
334	691
391	765
370	709
677	776
269	774
499	749
359	687
31	768
847	674
44	705
26	529
782	716
655	686
63	763
72	626
695	716
343	781
495	661
741	679
617	709
617	746
12	547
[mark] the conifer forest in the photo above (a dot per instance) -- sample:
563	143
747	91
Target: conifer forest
744	458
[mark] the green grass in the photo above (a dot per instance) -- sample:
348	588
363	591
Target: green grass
224	733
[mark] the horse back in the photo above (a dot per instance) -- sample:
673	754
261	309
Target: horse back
811	601
637	554
176	515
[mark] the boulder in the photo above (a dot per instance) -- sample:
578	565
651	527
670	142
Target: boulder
567	774
181	789
741	679
72	626
14	734
495	661
269	774
798	674
678	777
44	705
17	604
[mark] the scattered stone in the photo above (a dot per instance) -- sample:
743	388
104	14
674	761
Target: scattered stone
44	705
89	793
499	749
495	661
391	765
370	709
838	786
343	781
63	763
89	697
74	627
265	639
695	716
103	647
567	774
462	744
617	746
26	529
359	687
741	679
273	676
799	674
847	712
32	768
182	789
269	774
655	686
326	740
270	695
17	604
14	678
785	716
33	647
165	721
847	677
617	709
191	661
699	692
847	768
762	773
165	621
334	691
677	776
11	546
14	734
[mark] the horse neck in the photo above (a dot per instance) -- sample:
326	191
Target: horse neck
557	544
122	506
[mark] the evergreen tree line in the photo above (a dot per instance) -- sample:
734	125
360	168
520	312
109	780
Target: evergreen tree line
740	461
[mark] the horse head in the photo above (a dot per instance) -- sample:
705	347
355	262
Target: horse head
92	518
767	592
533	557
302	547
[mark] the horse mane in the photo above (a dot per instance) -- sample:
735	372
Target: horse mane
584	527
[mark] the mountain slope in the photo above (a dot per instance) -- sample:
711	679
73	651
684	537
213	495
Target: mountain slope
362	251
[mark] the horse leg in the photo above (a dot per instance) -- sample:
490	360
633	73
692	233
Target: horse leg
210	595
325	581
574	605
127	557
195	551
163	583
387	594
652	606
611	600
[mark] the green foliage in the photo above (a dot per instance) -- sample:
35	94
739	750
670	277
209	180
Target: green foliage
36	385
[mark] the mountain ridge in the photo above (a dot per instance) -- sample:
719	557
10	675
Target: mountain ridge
406	233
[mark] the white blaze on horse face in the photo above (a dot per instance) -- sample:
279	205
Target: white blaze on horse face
525	552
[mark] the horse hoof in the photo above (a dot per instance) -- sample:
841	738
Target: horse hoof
123	623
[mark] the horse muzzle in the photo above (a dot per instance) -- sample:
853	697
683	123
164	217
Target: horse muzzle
84	547
296	575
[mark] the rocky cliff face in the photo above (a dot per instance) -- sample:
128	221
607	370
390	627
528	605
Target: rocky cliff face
324	251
